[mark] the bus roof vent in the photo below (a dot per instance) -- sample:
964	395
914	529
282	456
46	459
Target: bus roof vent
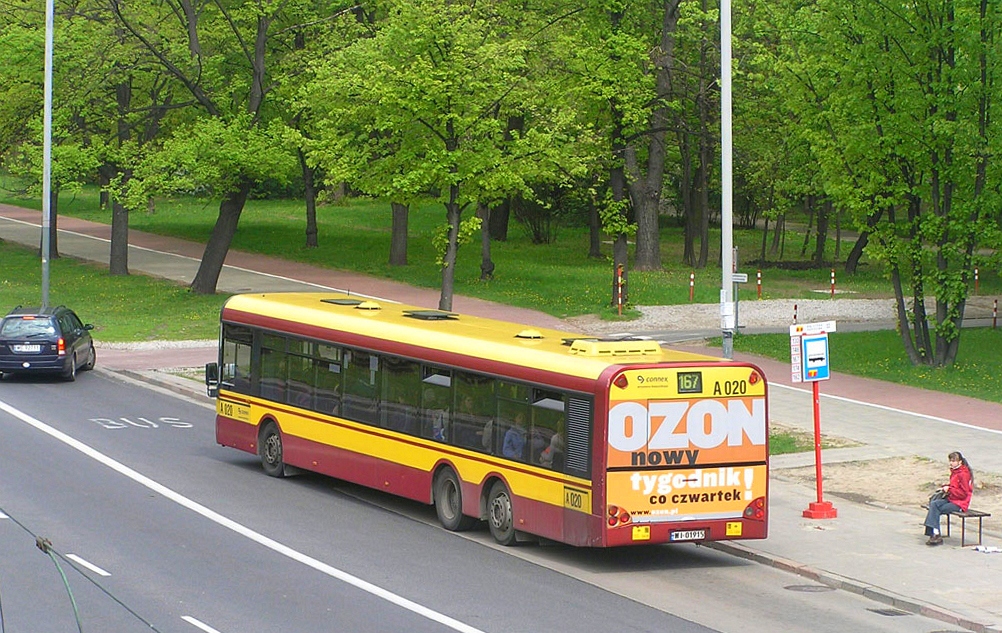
529	334
368	305
342	302
431	315
592	347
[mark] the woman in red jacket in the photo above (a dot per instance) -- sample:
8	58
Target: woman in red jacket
958	497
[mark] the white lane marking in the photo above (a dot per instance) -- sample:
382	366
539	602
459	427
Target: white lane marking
94	568
3	516
198	625
242	530
195	259
891	409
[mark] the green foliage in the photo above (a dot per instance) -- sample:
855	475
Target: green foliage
468	229
977	372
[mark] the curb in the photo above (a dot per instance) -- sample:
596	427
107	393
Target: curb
866	590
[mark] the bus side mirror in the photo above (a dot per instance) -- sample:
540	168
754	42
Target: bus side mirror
212	379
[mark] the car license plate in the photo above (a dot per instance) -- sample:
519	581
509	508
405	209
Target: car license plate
27	348
688	535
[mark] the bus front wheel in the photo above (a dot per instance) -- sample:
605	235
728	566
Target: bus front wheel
499	514
449	502
271	451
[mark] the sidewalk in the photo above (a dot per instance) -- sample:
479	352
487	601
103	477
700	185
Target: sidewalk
875	551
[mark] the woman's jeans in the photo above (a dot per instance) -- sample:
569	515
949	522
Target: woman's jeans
937	508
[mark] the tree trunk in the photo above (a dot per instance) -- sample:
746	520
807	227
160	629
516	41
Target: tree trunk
118	263
852	261
452	214
310	193
498	225
594	230
398	234
104	175
218	245
486	264
823	213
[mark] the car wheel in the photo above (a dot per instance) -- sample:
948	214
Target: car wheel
499	514
91	359
71	371
270	448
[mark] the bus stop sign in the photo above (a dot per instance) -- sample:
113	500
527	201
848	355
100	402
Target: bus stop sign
809	351
814	355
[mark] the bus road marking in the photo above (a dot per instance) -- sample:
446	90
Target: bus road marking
238	528
83	563
198	625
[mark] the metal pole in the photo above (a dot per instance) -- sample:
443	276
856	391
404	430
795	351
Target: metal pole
727	316
47	152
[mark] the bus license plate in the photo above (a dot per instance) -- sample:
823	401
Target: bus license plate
27	348
688	535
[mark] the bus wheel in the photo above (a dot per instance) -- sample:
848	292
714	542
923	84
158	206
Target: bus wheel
499	514
271	451
449	502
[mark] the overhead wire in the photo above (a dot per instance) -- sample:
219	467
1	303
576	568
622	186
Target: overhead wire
45	545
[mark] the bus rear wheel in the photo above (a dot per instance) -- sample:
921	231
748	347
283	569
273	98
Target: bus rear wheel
270	448
449	502
499	514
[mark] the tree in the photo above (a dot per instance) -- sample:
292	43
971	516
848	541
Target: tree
884	91
227	57
422	105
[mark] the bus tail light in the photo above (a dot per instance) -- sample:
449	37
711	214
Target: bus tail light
61	346
753	378
621	381
756	509
617	516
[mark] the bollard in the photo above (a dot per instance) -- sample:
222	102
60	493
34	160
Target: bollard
758	282
692	285
794	314
833	283
975	280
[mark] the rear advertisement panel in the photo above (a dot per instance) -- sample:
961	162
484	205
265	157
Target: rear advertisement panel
686	445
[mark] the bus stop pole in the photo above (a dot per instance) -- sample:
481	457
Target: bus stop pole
819	509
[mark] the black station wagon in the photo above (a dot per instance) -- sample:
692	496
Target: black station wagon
52	340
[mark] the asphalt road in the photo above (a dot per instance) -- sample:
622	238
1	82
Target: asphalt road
193	536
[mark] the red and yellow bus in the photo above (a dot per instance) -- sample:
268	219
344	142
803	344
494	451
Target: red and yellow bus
582	440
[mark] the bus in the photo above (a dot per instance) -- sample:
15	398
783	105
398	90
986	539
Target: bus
539	433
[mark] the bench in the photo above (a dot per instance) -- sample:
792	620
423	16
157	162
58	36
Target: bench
963	516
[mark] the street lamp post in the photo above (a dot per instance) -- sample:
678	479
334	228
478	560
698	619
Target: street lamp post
727	312
47	152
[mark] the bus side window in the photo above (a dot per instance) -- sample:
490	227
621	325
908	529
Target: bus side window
361	382
475	409
400	396
274	372
327	366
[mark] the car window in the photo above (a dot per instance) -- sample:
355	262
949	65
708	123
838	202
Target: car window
26	328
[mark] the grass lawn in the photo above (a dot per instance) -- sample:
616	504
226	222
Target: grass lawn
557	278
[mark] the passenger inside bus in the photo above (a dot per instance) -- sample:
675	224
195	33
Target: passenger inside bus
513	446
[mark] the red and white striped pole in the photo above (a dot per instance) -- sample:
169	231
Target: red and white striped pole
794	314
692	285
833	283
758	282
995	313
975	280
